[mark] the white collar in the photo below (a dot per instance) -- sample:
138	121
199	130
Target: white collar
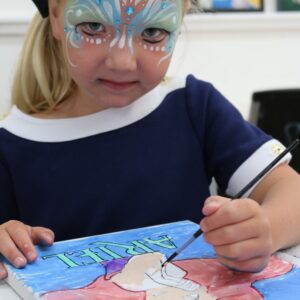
67	129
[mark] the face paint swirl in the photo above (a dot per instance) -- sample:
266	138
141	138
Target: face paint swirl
152	25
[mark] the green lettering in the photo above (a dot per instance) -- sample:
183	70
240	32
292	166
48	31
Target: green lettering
142	246
70	263
92	255
128	249
110	253
163	242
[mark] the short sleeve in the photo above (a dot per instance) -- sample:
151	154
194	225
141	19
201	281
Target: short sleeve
227	140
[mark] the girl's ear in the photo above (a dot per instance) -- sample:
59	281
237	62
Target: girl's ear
56	19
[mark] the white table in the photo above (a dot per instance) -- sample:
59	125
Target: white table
6	293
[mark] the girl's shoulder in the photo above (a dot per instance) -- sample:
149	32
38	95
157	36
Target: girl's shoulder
188	81
195	91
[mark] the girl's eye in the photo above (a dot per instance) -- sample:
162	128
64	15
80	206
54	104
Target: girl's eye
154	35
90	28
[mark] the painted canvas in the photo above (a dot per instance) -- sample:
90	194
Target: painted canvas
126	265
231	5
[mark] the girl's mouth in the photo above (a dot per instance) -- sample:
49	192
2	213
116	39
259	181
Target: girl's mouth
117	85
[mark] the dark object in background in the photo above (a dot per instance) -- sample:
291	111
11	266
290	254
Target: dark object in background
288	5
277	112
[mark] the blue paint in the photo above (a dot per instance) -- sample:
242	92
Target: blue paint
283	287
164	5
129	10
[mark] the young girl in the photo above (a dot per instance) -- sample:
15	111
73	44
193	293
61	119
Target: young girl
98	140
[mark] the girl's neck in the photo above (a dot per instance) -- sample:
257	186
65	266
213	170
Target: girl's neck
71	107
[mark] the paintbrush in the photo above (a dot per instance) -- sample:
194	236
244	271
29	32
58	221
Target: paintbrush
290	148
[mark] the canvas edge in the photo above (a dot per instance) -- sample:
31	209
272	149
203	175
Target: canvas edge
18	285
294	260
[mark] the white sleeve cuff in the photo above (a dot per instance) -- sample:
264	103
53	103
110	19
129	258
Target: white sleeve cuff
254	165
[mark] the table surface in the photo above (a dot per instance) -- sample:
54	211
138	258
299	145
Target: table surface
7	293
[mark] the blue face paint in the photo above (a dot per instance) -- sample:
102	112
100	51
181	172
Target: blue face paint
165	15
129	19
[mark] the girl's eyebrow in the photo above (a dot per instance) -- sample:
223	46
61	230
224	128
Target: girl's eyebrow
154	15
86	12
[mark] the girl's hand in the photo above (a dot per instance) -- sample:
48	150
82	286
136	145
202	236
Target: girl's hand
239	231
17	243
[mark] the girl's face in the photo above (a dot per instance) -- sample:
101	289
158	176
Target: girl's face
117	50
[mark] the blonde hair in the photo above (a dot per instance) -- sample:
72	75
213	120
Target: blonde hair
42	80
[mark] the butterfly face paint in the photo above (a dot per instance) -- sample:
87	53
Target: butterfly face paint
152	25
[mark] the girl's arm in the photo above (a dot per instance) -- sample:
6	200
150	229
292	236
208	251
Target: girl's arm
279	196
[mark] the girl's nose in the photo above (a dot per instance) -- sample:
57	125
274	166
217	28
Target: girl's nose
121	59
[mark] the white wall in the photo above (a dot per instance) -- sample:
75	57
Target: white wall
14	18
240	53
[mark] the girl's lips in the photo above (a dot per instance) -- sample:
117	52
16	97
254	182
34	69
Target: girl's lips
115	85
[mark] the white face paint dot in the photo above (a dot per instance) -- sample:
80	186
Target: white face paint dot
145	47
174	19
78	12
92	41
151	48
157	48
87	40
163	48
98	41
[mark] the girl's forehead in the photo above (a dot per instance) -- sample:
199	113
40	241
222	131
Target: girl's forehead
122	2
127	7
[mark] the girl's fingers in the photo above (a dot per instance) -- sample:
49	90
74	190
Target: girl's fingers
19	234
231	212
245	250
212	204
17	243
233	233
240	234
9	250
42	235
3	271
254	265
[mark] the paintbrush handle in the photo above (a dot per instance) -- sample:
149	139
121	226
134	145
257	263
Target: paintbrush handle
186	244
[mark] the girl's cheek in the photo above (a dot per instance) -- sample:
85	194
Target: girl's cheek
88	51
